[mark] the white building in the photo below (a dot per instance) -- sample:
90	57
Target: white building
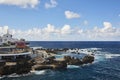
7	38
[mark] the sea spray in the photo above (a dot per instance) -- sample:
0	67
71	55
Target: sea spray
111	55
40	72
72	66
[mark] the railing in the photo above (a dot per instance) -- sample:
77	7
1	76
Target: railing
13	52
4	52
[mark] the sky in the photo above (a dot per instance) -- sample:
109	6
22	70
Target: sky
61	20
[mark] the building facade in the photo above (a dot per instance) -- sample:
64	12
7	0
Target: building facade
7	38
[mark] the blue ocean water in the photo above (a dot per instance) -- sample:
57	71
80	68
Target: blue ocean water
105	67
76	44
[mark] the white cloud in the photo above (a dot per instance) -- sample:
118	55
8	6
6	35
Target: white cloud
66	32
70	15
106	33
85	22
80	31
66	29
107	27
21	3
49	29
3	29
52	4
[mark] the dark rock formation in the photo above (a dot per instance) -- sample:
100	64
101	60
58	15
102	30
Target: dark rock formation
88	59
38	63
57	65
49	63
41	67
75	61
60	65
72	61
6	70
2	63
21	67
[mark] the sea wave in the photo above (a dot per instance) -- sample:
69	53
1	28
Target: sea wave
38	47
72	66
85	50
111	55
2	77
41	72
104	56
16	75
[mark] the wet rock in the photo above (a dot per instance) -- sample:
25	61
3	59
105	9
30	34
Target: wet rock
2	63
21	67
60	65
50	63
88	59
72	61
75	61
6	70
41	67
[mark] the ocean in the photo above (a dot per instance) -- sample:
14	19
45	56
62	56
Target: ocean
105	67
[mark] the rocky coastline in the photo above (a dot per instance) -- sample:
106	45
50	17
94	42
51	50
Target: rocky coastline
39	63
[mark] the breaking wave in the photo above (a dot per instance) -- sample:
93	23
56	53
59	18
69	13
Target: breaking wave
99	53
72	66
41	72
112	55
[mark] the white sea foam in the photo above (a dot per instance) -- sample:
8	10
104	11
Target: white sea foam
108	56
95	48
111	55
104	55
85	51
1	77
41	72
37	47
72	66
16	75
99	55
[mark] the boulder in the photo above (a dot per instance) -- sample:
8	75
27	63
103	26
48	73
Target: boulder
76	61
88	59
21	67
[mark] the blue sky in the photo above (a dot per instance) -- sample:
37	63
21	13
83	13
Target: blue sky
62	19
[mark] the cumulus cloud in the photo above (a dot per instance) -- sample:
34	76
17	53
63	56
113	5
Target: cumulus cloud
21	3
49	28
70	15
108	27
66	29
52	4
3	29
107	32
66	32
80	31
46	33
